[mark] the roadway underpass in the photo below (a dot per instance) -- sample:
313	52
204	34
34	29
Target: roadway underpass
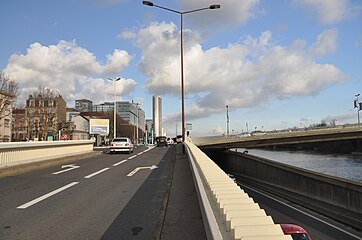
284	211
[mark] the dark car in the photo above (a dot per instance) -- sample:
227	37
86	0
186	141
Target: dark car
161	141
295	231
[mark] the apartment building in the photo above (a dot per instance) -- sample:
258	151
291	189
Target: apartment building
5	116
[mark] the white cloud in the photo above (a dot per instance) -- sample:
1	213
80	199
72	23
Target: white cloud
218	131
239	75
71	70
326	43
328	11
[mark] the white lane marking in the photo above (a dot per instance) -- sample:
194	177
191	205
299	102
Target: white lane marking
70	167
296	209
148	149
139	168
96	173
140	153
39	199
132	157
123	161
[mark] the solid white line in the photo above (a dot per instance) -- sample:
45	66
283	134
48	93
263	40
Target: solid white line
296	209
123	161
140	153
96	173
39	199
132	157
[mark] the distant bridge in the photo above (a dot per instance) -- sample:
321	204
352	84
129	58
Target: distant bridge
338	139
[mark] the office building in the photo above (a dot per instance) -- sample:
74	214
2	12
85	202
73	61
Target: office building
157	115
83	105
130	112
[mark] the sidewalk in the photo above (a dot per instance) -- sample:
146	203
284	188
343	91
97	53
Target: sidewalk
183	218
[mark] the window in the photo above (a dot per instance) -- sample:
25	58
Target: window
6	123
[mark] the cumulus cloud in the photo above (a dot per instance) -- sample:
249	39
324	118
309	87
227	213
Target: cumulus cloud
326	43
328	11
71	70
238	75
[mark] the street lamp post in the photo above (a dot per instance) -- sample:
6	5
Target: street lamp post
227	120
115	106
358	106
137	124
213	6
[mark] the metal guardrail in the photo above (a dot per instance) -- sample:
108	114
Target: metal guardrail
228	212
16	153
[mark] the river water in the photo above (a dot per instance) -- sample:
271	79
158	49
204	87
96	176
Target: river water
345	166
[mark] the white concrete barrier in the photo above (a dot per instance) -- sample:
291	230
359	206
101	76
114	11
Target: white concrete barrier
230	212
17	153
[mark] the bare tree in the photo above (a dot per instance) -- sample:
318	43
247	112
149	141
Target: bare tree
44	114
45	92
9	91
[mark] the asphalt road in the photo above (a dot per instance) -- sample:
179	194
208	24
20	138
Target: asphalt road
89	199
318	226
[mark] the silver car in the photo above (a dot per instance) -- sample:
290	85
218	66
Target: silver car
121	144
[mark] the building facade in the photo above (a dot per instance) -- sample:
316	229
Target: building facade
5	116
157	115
80	130
19	125
83	105
130	112
45	116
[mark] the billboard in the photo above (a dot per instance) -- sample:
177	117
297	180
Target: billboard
99	126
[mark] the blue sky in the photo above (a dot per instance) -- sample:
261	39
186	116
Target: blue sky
276	64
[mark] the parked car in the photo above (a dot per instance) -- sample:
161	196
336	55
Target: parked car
122	144
161	141
295	231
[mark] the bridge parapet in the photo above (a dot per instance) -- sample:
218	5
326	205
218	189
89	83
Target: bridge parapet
338	139
228	212
16	153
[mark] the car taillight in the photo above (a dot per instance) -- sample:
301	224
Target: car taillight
111	144
127	144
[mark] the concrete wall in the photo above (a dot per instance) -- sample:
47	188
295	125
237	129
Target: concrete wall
338	198
228	212
17	153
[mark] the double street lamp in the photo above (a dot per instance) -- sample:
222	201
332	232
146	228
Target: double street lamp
114	107
213	6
